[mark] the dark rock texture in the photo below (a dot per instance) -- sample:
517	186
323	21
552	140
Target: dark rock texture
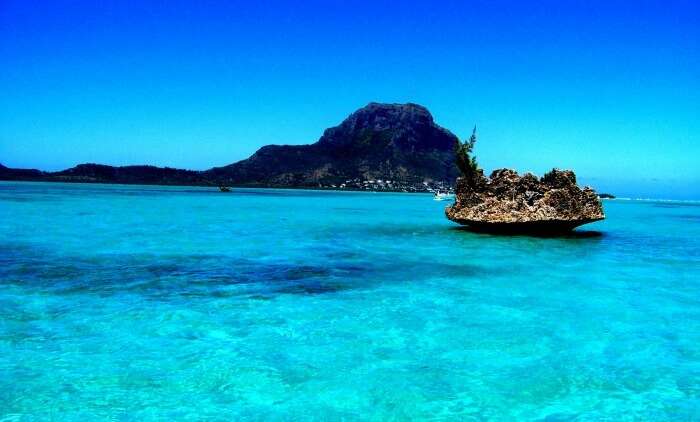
398	142
507	202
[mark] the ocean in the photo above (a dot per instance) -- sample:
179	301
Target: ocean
184	303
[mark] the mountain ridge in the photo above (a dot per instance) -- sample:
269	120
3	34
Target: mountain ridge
400	143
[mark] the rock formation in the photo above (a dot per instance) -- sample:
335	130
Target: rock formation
507	202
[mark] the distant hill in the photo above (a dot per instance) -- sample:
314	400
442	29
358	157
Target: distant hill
20	174
131	175
398	142
99	173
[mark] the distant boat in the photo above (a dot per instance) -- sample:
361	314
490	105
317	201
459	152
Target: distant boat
224	189
443	196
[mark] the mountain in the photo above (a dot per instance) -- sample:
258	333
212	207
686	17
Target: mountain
380	141
397	142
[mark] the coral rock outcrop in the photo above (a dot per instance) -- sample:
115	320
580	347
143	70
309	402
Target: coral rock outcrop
508	202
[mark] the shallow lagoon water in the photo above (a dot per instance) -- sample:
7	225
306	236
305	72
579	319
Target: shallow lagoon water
144	302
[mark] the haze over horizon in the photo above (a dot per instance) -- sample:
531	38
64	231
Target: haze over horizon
603	88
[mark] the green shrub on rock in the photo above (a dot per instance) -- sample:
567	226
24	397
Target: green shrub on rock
465	161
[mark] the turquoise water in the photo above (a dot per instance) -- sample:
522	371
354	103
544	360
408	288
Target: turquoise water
143	303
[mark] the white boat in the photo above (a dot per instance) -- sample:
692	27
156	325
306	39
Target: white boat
443	196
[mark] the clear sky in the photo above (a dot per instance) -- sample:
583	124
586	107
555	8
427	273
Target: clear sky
610	89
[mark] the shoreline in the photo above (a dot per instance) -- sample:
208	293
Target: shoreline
309	188
215	188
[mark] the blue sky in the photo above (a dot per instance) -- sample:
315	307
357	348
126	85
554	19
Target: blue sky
610	89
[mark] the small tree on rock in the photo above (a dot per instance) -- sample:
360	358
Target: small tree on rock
465	161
